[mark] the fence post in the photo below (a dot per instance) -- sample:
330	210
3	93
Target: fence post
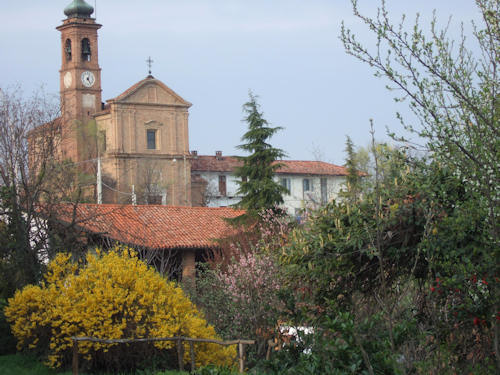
180	354
241	352
191	352
75	357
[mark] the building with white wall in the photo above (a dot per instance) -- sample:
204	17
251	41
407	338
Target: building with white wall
310	183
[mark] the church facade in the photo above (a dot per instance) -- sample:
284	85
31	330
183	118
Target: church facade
137	143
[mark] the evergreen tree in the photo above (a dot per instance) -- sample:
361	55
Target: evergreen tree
353	178
257	186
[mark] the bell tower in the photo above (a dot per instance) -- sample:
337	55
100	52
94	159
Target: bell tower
80	74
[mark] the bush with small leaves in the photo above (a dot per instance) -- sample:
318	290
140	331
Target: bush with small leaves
113	295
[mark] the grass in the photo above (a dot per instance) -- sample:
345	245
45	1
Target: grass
19	364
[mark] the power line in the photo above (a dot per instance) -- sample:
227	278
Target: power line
118	191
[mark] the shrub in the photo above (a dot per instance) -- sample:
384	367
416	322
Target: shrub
114	295
242	301
240	293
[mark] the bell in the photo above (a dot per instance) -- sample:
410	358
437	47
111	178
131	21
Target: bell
86	49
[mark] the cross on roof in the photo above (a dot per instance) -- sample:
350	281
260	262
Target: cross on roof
149	61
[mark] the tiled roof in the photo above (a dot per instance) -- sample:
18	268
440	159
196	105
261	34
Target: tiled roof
311	167
152	226
204	163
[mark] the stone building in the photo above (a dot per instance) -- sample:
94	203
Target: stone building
310	184
140	136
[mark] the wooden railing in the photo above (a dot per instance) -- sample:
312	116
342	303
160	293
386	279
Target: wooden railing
180	348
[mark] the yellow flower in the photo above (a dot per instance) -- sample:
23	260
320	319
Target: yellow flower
112	295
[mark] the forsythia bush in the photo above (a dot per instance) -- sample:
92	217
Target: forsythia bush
114	295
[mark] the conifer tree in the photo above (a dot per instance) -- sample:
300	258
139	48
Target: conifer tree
257	186
353	178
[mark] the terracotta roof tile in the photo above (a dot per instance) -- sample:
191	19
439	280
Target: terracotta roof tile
203	163
152	226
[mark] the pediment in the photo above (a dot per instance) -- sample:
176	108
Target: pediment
151	91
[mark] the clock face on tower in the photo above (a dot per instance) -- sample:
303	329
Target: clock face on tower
88	79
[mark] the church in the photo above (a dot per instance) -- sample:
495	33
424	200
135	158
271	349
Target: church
135	147
140	137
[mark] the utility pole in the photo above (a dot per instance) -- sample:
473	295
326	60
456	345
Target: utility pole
134	198
99	181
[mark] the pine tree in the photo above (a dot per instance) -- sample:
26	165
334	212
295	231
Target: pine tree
353	178
257	186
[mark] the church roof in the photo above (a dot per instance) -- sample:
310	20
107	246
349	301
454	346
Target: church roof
148	81
205	163
152	226
78	8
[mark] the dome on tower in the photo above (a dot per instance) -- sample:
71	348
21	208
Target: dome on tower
78	8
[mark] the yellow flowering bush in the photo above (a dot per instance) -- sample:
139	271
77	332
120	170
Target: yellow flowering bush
113	295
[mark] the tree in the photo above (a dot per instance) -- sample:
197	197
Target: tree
257	185
34	179
24	240
454	92
353	179
420	248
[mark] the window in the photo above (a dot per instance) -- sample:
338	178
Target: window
222	185
285	182
67	50
151	139
86	49
306	184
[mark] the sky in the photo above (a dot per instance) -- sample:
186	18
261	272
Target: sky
212	52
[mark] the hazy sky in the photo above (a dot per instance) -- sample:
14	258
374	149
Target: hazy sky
211	52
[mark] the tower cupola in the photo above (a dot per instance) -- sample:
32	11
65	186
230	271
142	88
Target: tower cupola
79	9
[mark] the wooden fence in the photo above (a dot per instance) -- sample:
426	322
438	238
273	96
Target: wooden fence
180	348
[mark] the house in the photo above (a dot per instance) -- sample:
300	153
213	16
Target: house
170	238
310	183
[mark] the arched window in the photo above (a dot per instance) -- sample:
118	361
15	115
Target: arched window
86	49
67	50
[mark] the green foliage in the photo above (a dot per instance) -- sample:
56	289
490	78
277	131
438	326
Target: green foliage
256	185
335	252
7	340
353	179
452	90
22	364
19	262
333	349
432	238
215	370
